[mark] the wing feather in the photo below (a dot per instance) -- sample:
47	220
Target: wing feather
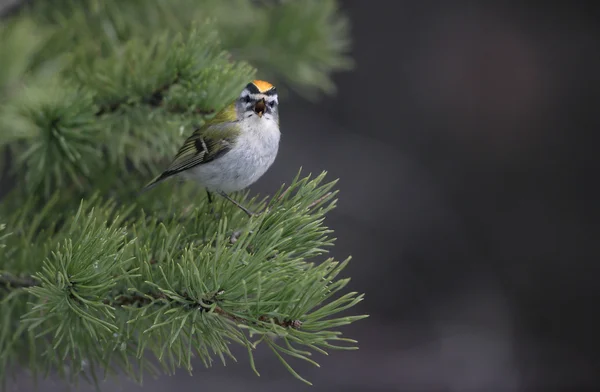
210	142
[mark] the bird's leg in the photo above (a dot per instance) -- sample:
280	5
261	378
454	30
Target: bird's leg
210	201
247	211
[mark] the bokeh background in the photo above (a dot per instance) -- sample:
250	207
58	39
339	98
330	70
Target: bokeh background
464	141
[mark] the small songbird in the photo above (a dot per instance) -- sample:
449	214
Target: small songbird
235	148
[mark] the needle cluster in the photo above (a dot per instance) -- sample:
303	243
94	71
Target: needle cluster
95	97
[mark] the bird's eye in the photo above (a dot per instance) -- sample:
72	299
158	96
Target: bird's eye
247	99
272	104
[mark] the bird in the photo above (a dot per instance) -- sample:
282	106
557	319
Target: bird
232	150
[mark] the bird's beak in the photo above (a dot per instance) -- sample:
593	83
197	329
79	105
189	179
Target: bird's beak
260	107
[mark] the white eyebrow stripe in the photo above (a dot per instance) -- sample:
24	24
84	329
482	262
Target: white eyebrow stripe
256	97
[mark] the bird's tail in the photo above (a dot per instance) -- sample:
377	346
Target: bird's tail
157	180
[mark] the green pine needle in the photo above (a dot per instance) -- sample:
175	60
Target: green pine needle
136	285
95	98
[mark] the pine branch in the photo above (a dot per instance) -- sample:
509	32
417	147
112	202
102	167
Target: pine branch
140	300
155	99
152	282
95	95
9	282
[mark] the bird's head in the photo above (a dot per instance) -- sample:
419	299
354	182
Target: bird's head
259	98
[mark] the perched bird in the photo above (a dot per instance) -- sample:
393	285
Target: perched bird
235	148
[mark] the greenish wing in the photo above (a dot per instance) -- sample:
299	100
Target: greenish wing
202	147
205	145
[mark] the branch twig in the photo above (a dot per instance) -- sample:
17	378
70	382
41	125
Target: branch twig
155	99
145	300
14	282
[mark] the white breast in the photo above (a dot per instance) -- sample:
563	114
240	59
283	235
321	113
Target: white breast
249	158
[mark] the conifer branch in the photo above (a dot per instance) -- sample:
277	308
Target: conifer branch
123	300
155	99
10	282
111	107
139	300
156	280
93	279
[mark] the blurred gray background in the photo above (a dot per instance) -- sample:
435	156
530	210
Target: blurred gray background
464	141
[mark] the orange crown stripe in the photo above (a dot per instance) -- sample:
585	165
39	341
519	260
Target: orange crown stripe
262	86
